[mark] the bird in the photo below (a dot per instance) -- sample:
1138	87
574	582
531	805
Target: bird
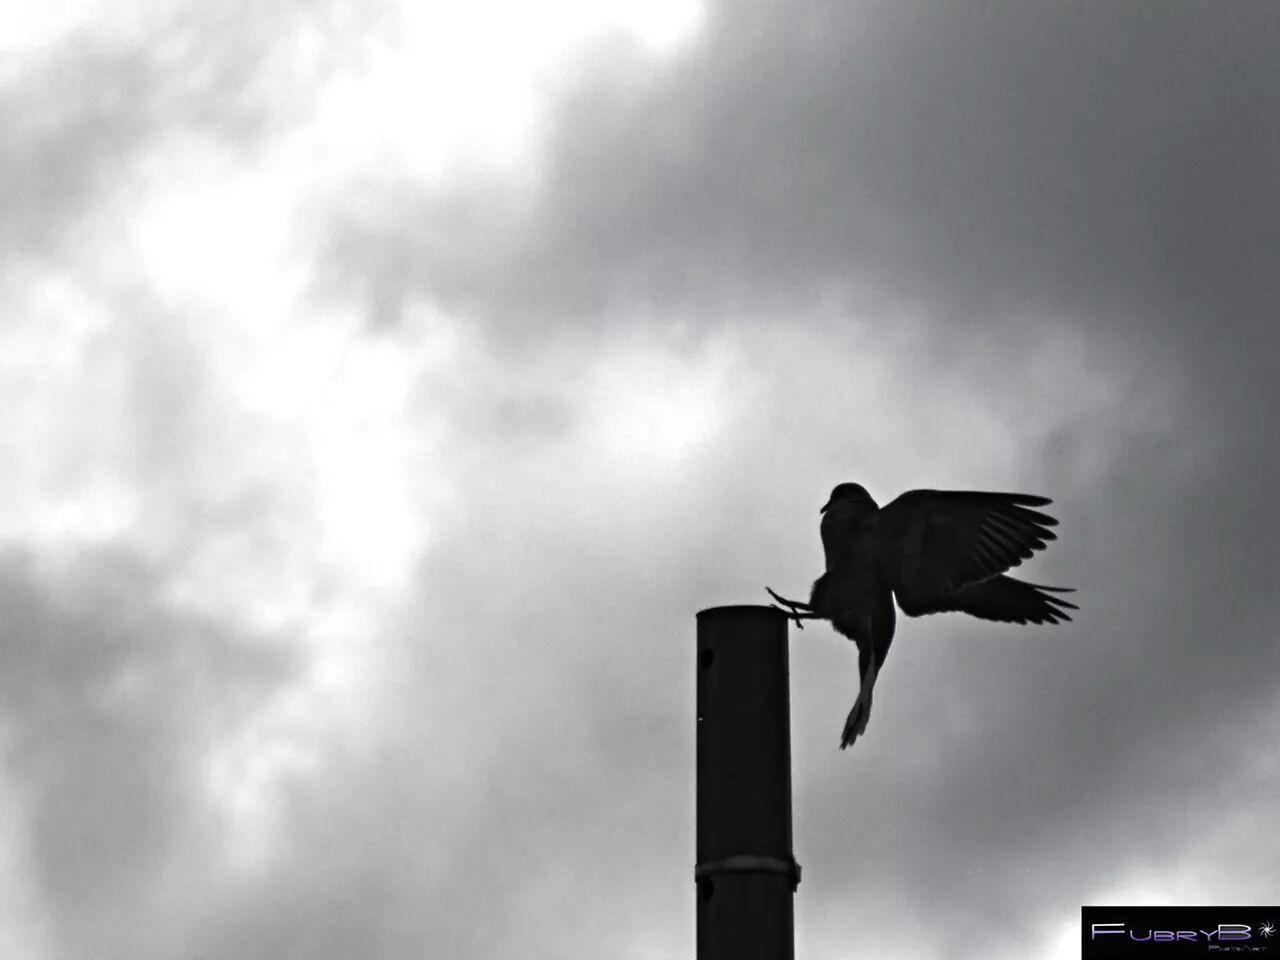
931	551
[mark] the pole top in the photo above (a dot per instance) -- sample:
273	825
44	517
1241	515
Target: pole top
740	609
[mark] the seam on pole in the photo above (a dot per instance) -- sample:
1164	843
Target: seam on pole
749	863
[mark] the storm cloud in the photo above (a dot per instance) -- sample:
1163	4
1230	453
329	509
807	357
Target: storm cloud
385	393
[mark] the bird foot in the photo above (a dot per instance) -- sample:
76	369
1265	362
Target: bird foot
793	609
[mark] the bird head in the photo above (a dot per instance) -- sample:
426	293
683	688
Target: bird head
848	494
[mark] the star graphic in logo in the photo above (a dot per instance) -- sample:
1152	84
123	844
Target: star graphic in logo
1268	929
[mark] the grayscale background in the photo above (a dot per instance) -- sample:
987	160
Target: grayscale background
385	386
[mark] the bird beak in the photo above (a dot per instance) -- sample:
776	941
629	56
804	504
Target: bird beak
825	506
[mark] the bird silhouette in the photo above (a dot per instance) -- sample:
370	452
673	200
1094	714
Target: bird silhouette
934	551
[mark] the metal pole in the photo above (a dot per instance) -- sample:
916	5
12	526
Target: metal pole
746	872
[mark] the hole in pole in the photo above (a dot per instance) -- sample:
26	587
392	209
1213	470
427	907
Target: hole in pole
706	659
706	889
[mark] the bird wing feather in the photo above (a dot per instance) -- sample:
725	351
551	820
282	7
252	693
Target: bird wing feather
933	543
1007	600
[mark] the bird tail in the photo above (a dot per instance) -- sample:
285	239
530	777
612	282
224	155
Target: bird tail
856	723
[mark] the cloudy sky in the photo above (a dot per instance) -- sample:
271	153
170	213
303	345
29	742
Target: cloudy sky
386	385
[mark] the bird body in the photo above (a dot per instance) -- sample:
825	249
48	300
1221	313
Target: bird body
932	551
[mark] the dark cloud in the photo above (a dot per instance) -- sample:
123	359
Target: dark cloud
1004	156
1003	167
981	245
109	702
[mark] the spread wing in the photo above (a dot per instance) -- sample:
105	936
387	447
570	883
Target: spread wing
1007	600
932	543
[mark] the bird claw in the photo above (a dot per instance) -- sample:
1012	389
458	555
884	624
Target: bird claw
793	604
792	608
791	615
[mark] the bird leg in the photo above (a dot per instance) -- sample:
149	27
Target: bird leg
793	609
793	604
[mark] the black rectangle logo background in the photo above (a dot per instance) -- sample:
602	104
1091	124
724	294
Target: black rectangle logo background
1158	932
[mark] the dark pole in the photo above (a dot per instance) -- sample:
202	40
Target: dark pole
746	873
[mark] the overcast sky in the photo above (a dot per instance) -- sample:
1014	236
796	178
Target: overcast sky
386	385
